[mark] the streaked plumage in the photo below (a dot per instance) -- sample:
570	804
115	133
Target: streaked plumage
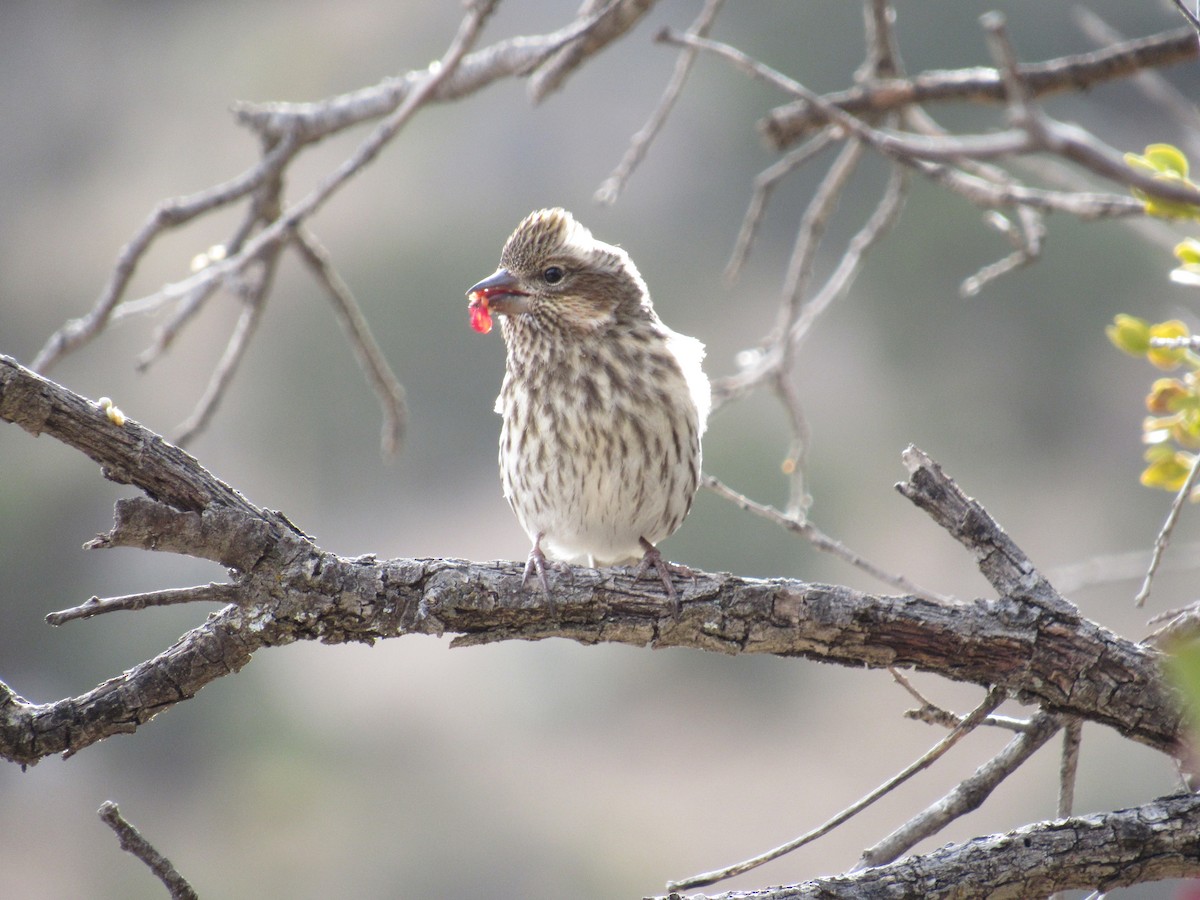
603	406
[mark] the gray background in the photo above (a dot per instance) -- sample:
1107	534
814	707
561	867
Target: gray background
532	770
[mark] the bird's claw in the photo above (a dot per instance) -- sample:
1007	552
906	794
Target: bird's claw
536	562
652	560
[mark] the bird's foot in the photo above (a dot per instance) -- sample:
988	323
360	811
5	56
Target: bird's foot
652	560
537	562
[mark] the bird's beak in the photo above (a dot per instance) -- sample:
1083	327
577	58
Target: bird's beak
498	293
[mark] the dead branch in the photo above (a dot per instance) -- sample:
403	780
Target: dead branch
132	842
1028	641
268	224
789	124
1151	842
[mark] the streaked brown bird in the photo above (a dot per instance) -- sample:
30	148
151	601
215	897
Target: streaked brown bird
603	405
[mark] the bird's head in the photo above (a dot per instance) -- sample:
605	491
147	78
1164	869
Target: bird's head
554	271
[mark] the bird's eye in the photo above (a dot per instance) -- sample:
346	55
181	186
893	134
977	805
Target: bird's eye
553	275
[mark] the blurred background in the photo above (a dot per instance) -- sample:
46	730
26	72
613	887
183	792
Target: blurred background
538	770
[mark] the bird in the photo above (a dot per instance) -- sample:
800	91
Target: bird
602	405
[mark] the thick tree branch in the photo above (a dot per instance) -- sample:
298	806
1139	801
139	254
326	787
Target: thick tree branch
787	125
1027	641
1157	840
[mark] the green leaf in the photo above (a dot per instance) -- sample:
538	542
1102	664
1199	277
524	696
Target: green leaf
1163	357
1183	670
1187	251
1130	334
1166	158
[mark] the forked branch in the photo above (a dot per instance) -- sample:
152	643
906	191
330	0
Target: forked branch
1028	641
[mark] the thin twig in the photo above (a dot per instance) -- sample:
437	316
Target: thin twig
1182	623
168	214
185	310
994	698
612	186
883	48
932	714
611	21
966	797
819	539
1153	84
1027	248
517	56
1069	769
762	364
808	239
1025	241
1067	141
978	85
235	350
132	841
1187	14
261	211
796	463
764	185
883	217
205	593
371	360
1021	110
1164	534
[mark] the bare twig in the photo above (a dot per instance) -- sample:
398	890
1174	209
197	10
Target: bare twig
885	215
1157	89
1068	141
795	121
1187	14
993	699
764	185
966	797
883	49
1021	110
253	305
1069	768
287	128
795	464
762	365
206	593
808	239
371	360
168	214
1163	539
1182	623
263	208
932	714
612	186
511	57
1027	248
131	841
611	20
818	539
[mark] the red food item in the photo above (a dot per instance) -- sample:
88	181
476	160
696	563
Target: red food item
481	318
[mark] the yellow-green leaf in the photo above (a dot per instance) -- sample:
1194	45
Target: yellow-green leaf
1164	357
1182	666
1130	334
1168	159
1167	471
1187	251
